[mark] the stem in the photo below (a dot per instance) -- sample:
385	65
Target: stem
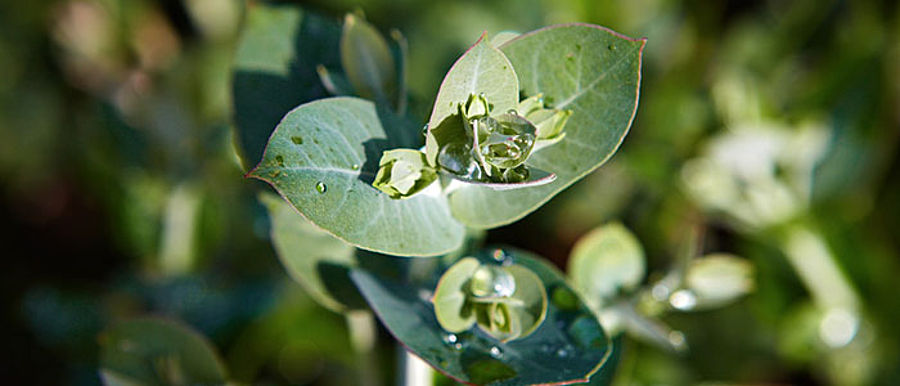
412	370
361	326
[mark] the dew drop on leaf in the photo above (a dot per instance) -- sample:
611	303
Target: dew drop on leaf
297	140
320	187
496	352
450	339
354	166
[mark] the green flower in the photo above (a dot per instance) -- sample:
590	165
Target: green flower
403	173
507	302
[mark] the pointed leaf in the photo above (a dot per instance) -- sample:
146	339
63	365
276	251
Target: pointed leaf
566	348
323	157
584	68
367	61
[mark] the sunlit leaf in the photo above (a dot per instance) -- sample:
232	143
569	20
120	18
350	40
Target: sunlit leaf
589	70
719	279
323	157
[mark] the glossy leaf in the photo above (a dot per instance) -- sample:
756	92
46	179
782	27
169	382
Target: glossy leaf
275	69
605	261
158	352
567	347
587	69
312	257
323	157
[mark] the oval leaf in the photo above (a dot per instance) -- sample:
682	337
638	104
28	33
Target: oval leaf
568	347
158	352
275	69
323	157
368	61
606	260
584	68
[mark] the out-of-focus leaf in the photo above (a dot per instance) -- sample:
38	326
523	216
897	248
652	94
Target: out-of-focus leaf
587	69
312	257
367	61
155	352
275	69
569	346
323	157
719	279
605	261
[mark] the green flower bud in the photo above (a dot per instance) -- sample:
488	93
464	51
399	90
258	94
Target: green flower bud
548	122
403	173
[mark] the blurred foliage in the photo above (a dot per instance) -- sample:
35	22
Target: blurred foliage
122	193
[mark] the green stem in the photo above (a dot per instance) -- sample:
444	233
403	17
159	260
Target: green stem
361	326
412	370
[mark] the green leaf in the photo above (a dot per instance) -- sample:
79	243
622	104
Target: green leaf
275	69
323	157
450	296
567	347
312	257
587	69
367	61
718	279
483	69
157	352
605	261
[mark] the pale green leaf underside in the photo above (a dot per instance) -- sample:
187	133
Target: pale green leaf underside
304	250
587	69
322	158
482	69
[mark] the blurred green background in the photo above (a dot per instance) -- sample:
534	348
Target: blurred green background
771	125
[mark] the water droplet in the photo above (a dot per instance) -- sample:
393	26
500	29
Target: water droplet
677	340
354	166
450	338
512	111
500	256
297	140
425	128
492	281
458	346
562	352
683	300
611	47
320	187
496	352
660	292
